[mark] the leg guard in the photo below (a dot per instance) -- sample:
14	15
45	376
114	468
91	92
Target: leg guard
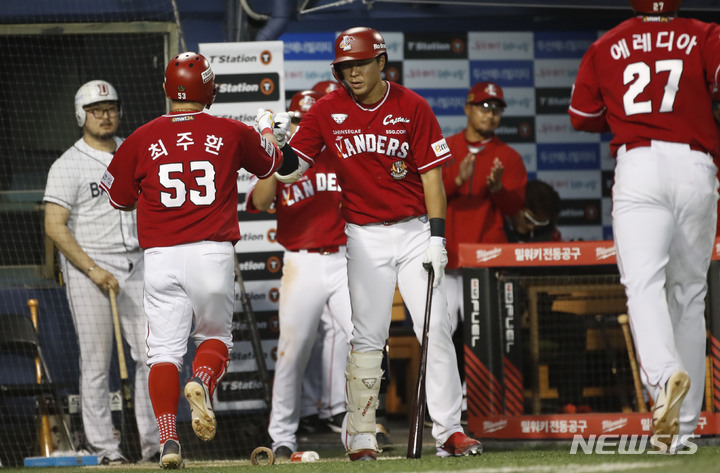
363	375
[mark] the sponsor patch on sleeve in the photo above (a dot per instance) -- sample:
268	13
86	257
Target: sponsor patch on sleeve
440	148
269	147
107	179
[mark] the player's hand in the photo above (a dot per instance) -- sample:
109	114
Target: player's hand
264	121
467	166
436	254
104	279
494	179
281	128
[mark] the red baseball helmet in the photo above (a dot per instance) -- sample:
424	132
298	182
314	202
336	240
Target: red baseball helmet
650	6
357	44
326	86
301	103
188	77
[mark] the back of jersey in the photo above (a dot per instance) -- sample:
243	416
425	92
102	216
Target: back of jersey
654	74
182	170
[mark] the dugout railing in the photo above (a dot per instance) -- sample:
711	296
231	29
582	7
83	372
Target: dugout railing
545	351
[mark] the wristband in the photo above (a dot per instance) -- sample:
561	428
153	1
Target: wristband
267	130
90	269
437	227
438	241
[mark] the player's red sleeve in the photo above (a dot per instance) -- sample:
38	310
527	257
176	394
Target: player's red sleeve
307	141
428	143
510	199
260	156
119	181
587	109
712	55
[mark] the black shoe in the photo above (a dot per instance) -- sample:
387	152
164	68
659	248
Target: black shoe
335	422
383	437
283	453
312	424
115	459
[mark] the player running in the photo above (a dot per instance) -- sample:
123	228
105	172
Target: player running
180	170
648	81
388	149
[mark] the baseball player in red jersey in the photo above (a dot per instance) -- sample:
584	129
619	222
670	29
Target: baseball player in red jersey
180	170
388	149
314	279
484	181
648	81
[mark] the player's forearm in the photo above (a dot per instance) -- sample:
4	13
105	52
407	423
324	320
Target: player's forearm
263	195
68	246
435	199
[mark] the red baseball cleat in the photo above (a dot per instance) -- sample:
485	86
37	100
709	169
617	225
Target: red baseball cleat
361	455
460	445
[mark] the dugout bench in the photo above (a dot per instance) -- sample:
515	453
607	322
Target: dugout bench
543	321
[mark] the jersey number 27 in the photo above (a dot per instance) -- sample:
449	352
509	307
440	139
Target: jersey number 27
639	75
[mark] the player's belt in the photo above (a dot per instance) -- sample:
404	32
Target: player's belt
325	250
648	143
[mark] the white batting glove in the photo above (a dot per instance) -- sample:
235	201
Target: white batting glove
436	254
264	122
281	128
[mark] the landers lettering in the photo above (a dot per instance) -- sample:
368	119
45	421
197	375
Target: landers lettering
630	444
301	190
370	143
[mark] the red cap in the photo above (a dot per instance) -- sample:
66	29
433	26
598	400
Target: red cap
326	86
483	91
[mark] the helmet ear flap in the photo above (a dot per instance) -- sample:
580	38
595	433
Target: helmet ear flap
80	116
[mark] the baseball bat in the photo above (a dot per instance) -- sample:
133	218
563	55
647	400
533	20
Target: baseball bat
129	436
623	321
417	420
45	436
254	337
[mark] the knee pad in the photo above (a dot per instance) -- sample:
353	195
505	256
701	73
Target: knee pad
363	374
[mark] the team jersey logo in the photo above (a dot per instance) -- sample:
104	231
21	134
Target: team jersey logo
339	117
440	148
398	170
346	43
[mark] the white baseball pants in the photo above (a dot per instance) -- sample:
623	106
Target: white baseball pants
664	215
378	256
92	316
310	281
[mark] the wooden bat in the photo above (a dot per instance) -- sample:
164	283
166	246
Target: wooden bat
623	321
45	435
417	419
129	436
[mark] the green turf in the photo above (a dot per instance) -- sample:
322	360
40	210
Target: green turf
551	459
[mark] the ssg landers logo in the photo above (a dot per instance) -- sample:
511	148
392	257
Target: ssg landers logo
630	444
